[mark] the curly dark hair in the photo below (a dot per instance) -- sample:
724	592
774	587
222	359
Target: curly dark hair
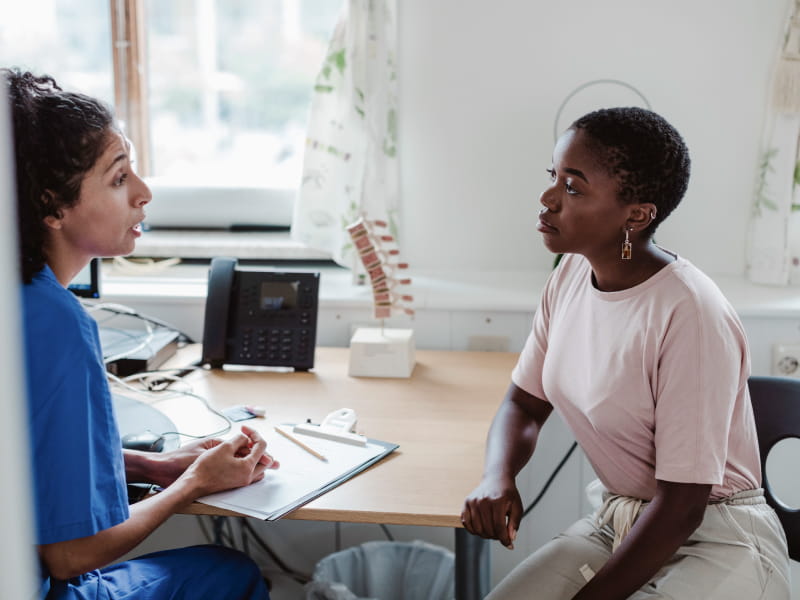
646	155
58	137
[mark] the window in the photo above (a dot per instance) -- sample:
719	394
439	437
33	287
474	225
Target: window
229	86
68	39
212	92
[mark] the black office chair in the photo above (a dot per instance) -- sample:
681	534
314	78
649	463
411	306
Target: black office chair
776	405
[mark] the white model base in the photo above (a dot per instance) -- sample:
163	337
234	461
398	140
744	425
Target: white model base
381	352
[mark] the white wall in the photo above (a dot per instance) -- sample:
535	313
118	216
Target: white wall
480	84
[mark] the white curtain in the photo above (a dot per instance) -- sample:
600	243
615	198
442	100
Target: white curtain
350	164
772	227
773	252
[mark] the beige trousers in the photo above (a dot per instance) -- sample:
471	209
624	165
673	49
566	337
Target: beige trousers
738	553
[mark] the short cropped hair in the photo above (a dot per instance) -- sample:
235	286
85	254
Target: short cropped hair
646	155
58	138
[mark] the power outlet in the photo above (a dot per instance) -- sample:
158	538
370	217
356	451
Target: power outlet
786	360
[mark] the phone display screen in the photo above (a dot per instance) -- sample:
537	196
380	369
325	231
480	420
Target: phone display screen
278	295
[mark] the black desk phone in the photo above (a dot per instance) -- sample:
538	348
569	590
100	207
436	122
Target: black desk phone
259	317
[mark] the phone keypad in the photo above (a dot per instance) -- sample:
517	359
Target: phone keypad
276	344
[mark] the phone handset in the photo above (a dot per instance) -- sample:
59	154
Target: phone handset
343	418
215	326
338	425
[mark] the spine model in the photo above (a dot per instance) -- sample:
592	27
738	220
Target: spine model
382	267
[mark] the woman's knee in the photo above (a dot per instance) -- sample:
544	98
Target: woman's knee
555	569
235	570
223	573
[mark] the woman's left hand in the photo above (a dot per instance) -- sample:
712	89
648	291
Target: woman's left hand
164	468
173	463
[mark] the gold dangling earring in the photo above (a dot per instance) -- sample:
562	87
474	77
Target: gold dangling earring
627	250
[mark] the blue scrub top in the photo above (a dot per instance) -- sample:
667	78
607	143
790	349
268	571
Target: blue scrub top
78	469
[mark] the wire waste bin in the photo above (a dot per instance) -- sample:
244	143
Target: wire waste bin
385	571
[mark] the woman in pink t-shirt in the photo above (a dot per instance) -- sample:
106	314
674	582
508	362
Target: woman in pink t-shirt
647	362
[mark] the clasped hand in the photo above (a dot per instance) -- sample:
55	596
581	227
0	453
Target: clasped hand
494	510
214	465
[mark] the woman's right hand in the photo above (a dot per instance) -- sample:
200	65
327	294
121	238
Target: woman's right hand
494	510
236	462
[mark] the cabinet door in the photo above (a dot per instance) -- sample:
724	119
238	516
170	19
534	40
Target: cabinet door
490	330
335	326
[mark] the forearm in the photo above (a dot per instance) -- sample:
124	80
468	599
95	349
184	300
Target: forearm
75	557
151	467
137	466
661	529
494	508
508	446
513	435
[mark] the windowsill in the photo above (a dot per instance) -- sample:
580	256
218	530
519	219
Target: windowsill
264	245
758	300
505	291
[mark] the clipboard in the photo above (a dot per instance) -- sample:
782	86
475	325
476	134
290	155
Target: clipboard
301	477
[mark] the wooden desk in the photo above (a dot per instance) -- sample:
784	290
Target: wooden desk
439	417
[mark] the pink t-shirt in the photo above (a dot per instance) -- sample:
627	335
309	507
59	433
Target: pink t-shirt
652	380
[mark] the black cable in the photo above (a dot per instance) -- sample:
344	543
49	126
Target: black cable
231	535
157	385
337	543
243	538
388	533
550	480
202	524
298	577
222	538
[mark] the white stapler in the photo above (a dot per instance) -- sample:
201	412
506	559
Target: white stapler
338	425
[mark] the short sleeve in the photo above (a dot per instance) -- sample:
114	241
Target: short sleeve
527	373
78	470
701	381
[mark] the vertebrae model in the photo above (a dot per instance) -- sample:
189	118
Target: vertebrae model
381	266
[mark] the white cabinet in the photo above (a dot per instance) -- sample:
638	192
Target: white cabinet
434	329
335	326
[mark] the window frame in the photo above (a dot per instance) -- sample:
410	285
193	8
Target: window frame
130	76
129	48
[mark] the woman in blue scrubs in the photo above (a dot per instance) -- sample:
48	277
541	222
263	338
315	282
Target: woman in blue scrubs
79	198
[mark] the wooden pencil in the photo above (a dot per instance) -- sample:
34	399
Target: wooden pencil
305	447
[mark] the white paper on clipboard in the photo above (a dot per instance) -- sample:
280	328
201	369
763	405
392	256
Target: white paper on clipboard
301	476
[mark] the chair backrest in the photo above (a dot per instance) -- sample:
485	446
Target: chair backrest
776	406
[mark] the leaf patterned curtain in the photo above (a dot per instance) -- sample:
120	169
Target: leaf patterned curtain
773	252
769	254
350	163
